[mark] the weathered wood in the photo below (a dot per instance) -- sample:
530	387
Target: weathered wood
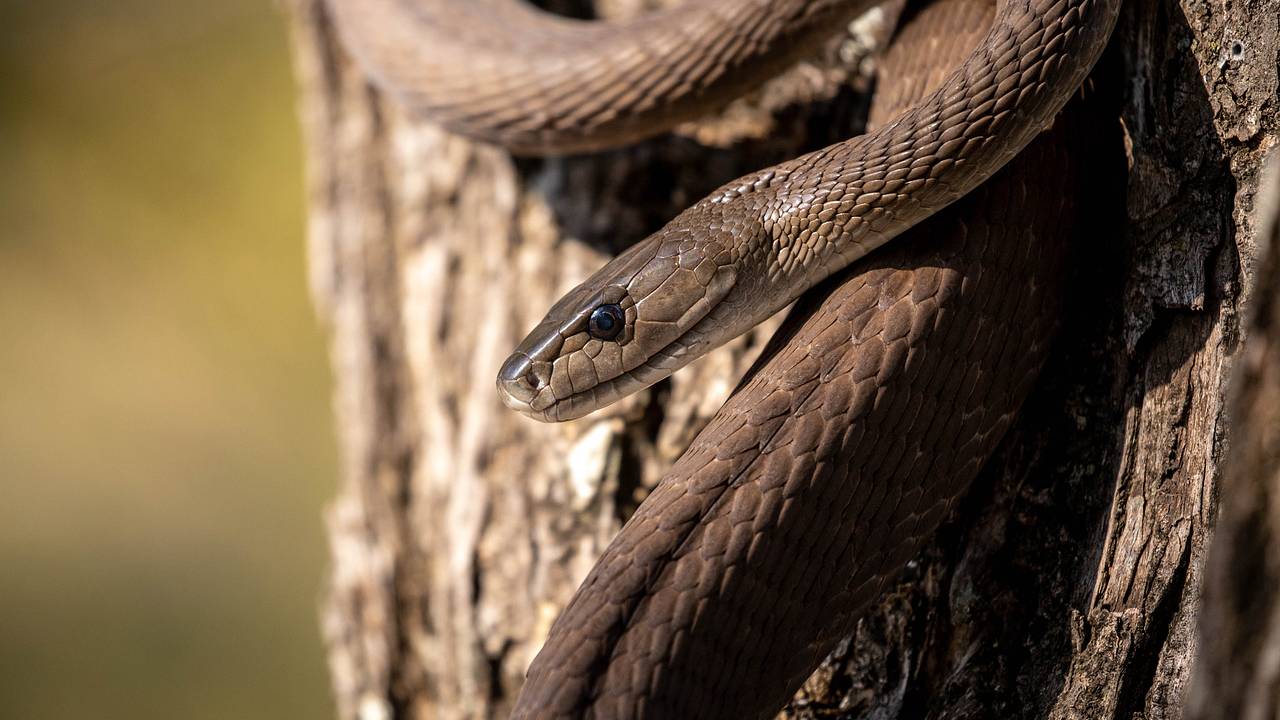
1238	672
1067	584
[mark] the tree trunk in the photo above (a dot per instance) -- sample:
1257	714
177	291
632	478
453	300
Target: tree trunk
1066	585
1238	673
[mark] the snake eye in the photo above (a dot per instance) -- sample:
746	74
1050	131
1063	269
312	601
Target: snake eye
606	322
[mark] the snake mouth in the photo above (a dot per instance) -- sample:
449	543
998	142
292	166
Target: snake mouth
523	381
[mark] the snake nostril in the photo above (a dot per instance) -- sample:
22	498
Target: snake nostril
538	375
520	378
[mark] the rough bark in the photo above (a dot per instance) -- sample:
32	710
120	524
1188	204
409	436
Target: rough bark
1067	584
1238	671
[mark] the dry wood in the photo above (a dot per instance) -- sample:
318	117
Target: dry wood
1238	670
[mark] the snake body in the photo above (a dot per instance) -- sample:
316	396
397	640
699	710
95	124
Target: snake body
505	72
873	408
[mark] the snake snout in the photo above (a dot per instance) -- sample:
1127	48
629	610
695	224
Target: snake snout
520	381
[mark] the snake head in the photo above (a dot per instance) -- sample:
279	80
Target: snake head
632	323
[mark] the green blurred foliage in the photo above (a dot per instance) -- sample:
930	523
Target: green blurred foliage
165	438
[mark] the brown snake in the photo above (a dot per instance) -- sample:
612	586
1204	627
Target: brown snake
884	393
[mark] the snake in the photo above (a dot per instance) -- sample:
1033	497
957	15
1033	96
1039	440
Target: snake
894	376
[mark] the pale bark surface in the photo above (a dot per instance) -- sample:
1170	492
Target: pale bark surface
1067	584
1238	672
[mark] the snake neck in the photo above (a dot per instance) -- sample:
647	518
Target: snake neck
800	221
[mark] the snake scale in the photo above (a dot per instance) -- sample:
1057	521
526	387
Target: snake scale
888	386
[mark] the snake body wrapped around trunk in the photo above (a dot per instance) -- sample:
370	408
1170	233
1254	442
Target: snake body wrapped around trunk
878	401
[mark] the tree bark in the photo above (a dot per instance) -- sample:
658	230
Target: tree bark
1238	673
1067	584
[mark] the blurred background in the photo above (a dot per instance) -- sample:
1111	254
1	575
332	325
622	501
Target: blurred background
165	437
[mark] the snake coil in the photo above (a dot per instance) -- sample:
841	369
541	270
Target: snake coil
888	387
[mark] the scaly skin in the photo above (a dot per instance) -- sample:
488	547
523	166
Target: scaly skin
825	473
504	72
886	391
738	256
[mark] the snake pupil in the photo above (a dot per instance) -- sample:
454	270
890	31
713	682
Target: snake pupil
605	322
